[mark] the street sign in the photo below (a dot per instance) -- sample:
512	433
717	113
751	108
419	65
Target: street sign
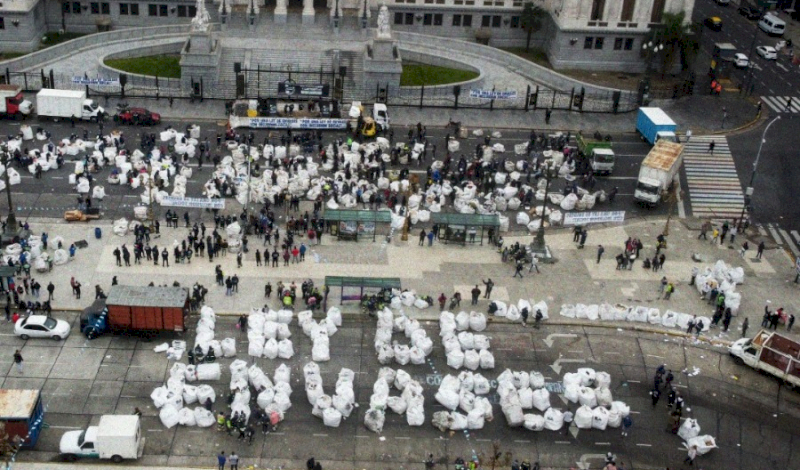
583	218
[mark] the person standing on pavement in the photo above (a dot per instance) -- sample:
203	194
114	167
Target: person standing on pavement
790	322
627	422
489	285
18	360
695	272
537	319
221	459
234	461
50	289
584	233
518	270
760	250
745	325
655	394
600	251
711	147
568	417
476	292
422	235
534	265
431	234
524	314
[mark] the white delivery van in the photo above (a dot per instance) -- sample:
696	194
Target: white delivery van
772	25
117	437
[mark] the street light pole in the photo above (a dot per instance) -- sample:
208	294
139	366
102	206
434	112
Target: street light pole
749	191
538	242
12	227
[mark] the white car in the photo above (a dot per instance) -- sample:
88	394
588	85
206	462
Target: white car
741	60
41	326
767	52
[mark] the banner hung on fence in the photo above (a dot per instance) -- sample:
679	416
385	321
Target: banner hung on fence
95	81
493	94
583	218
193	202
287	123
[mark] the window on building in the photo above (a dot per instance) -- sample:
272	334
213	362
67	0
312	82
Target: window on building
515	21
618	44
181	11
123	9
105	8
517	4
438	19
94	8
629	44
598	43
456	20
427	19
496	20
409	18
76	8
467	21
486	21
428	1
398	18
487	3
588	42
152	10
597	9
627	10
163	10
458	2
2	23
65	7
658	11
440	2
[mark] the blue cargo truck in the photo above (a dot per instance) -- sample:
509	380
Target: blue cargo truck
654	124
23	415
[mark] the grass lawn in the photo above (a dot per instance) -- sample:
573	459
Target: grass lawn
423	74
167	66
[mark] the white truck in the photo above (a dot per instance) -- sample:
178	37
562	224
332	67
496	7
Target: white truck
66	104
658	171
772	353
117	437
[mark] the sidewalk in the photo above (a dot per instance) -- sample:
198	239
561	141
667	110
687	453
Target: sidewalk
575	278
700	113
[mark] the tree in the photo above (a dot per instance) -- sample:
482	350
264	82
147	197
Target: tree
677	38
532	16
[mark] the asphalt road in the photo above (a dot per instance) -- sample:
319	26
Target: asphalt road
777	180
752	418
53	195
771	77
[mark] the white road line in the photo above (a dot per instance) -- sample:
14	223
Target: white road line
522	441
761	230
154	430
63	427
602	443
635	412
483	440
644	445
653	355
634	381
320	435
781	66
796	236
128	396
563	442
402	438
775	235
793	248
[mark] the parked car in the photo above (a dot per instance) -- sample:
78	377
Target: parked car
740	60
751	13
41	326
713	23
767	52
138	116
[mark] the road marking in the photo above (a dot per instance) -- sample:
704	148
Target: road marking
63	427
634	381
795	235
611	352
522	442
549	340
320	435
154	430
794	250
781	66
483	440
644	445
653	355
403	438
556	366
635	412
602	443
679	386
575	351
561	442
360	437
56	178
128	396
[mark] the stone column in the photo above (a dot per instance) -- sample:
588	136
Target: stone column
308	11
280	11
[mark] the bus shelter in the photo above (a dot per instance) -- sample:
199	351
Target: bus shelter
353	288
463	228
349	224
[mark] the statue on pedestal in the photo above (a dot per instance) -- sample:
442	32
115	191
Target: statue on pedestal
201	18
384	30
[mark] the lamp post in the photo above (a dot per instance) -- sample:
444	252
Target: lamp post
651	49
364	16
12	227
336	18
749	190
539	245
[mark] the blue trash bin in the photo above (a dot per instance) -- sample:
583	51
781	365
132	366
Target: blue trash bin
98	233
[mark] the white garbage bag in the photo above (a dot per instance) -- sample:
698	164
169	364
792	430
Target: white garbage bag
704	444
541	399
689	429
600	418
553	419
169	416
374	420
534	422
583	417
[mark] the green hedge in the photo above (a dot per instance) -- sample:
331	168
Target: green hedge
423	74
167	66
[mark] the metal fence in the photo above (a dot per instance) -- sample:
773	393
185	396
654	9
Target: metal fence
135	85
532	98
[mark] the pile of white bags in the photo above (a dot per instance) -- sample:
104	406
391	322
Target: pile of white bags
639	314
330	409
458	393
389	351
465	349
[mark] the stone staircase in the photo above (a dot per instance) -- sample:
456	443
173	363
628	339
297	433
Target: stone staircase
299	56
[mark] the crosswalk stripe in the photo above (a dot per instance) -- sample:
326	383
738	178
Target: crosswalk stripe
796	236
775	235
791	244
794	105
778	103
784	238
769	102
712	181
